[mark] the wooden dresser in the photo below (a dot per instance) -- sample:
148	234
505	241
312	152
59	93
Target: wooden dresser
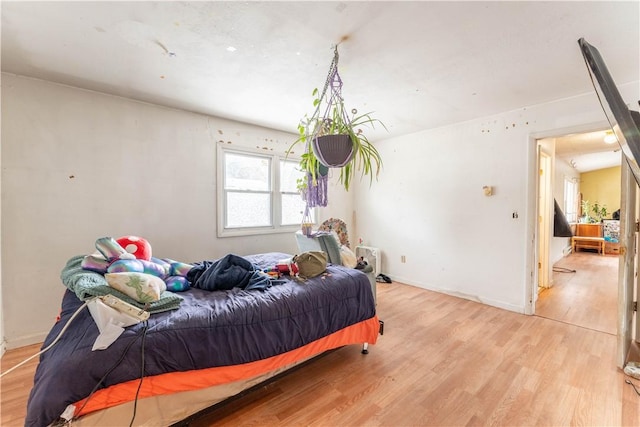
588	236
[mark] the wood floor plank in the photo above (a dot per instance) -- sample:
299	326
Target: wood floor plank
15	387
441	361
587	297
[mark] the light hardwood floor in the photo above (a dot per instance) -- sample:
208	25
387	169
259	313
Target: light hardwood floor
442	361
588	297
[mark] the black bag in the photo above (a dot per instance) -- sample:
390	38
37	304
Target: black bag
383	278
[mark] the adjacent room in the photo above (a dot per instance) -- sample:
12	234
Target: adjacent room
177	145
587	190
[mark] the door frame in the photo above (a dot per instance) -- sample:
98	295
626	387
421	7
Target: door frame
545	212
629	262
533	231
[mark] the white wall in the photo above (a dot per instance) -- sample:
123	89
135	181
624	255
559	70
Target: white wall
78	165
2	339
429	205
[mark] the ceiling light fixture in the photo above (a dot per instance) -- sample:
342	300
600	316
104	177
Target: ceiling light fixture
609	137
231	49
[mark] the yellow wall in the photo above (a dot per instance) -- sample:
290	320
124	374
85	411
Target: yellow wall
602	186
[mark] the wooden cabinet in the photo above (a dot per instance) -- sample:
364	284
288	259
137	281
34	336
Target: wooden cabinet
592	236
589	230
589	236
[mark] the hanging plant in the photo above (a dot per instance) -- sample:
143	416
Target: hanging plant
335	139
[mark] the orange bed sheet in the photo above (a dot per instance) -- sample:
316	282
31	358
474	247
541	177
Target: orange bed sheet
362	332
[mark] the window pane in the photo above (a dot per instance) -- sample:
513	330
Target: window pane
289	174
293	209
571	200
248	210
245	172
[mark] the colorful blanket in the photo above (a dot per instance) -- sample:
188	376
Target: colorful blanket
88	284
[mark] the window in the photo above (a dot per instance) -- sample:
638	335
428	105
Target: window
257	193
571	199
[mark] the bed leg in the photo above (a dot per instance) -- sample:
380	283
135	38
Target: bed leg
365	348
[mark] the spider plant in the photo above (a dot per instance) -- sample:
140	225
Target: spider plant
336	121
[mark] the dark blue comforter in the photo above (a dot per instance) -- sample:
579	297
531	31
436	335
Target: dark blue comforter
219	328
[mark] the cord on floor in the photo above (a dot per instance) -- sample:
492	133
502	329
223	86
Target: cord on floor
563	270
633	385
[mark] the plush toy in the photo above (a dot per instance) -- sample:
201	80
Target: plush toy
287	266
110	249
113	258
136	246
138	266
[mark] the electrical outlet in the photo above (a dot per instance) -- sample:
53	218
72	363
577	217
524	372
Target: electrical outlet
403	259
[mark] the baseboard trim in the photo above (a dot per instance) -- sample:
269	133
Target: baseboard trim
25	341
485	301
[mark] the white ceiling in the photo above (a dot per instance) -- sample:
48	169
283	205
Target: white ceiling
416	65
588	151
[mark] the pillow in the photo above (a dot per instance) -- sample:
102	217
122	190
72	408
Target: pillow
177	283
348	257
96	263
330	244
126	266
178	268
141	287
109	248
335	236
138	266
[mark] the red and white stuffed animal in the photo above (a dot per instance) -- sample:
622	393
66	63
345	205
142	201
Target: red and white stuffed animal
137	246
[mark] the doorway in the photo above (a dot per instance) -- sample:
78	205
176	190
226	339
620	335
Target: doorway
576	286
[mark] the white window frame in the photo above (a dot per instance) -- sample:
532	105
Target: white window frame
275	193
571	199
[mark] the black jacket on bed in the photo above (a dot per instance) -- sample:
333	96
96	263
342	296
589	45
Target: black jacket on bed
231	271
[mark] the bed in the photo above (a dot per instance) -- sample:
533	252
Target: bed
213	346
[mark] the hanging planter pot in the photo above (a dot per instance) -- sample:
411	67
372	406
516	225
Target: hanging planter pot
334	138
334	151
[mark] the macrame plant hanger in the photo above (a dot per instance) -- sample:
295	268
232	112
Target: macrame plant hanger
331	145
326	146
316	192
